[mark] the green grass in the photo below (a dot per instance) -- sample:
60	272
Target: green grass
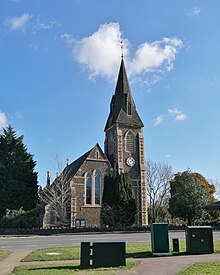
4	254
66	269
64	253
139	250
210	268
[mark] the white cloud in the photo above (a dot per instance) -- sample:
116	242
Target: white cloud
194	12
69	39
159	120
34	22
14	1
173	113
18	23
100	54
39	24
177	114
3	120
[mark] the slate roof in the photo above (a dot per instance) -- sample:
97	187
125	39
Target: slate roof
74	166
213	206
118	111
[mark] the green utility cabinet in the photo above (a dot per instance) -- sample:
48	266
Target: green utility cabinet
159	238
199	240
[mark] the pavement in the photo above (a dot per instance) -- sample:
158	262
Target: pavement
166	265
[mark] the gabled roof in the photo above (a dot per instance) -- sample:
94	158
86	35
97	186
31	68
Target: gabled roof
123	96
75	166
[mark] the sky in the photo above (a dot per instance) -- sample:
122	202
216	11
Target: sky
59	62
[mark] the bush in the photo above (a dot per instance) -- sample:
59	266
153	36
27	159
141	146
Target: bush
18	218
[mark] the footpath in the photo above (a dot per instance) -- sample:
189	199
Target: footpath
168	265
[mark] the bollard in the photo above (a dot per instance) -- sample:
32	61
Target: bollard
176	247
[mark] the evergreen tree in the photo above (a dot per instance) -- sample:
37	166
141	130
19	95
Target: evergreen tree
18	181
188	197
118	203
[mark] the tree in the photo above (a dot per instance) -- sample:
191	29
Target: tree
18	180
158	189
57	198
209	187
118	203
188	197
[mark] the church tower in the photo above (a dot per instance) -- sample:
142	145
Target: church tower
124	141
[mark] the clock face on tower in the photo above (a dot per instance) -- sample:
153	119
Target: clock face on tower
130	161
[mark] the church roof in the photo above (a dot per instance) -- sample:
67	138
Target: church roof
119	103
75	166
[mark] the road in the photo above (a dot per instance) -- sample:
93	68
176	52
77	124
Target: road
36	242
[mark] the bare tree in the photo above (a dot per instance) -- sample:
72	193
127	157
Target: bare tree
57	198
158	187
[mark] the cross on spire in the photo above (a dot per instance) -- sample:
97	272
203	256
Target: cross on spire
122	49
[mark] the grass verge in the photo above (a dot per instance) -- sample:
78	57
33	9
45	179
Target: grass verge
4	254
139	250
211	268
66	269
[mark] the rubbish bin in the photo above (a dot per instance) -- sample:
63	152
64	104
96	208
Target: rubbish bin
176	247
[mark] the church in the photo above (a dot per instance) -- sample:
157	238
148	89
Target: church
123	152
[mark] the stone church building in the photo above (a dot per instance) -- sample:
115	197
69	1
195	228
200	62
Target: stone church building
123	152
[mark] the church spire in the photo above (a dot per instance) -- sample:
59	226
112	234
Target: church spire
123	110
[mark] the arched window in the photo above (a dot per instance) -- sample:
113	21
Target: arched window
97	187
130	142
88	189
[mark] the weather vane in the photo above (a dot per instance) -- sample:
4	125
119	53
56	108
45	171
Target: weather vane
122	49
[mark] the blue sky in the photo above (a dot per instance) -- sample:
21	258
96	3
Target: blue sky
58	65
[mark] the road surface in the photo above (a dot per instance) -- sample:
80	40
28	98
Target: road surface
66	240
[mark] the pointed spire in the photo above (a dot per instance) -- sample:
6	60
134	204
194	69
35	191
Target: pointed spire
48	178
123	109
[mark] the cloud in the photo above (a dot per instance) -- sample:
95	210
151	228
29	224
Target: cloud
177	114
3	120
100	54
40	24
18	23
194	12
159	120
14	1
173	113
34	22
69	39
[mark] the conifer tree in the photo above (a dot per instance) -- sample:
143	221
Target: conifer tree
118	203
18	180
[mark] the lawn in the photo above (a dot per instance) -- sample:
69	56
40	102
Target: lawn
139	250
4	254
66	269
210	268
